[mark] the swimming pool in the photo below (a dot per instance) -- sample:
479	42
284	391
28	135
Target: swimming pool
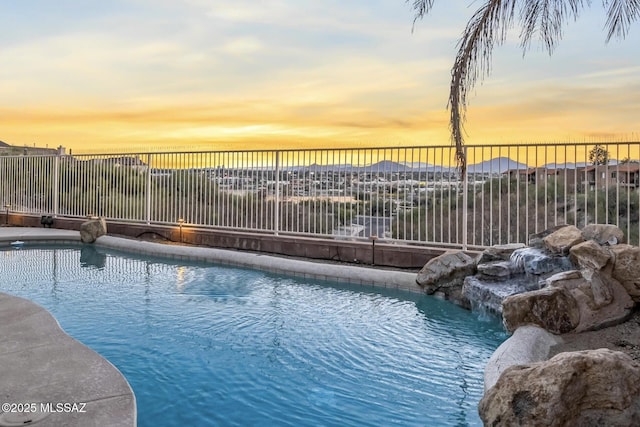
210	345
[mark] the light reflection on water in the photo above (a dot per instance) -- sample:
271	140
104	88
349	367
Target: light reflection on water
210	345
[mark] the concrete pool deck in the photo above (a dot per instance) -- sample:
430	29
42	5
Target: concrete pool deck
48	378
43	367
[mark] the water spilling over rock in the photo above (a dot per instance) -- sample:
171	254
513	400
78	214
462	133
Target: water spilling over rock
590	266
537	262
486	296
523	270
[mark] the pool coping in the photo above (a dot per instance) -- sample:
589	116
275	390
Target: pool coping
368	276
364	276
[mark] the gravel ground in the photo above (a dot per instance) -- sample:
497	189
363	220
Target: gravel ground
624	337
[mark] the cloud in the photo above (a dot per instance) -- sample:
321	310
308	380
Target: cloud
191	71
242	46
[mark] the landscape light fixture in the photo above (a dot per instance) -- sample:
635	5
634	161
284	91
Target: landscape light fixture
180	222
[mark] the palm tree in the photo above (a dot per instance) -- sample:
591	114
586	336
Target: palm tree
488	27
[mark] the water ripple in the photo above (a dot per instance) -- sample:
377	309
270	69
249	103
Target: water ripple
208	346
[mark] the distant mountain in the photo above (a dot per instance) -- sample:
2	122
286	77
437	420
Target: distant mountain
385	166
497	165
422	167
417	165
568	165
316	168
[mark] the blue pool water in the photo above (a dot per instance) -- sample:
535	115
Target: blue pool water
206	345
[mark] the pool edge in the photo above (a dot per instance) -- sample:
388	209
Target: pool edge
365	276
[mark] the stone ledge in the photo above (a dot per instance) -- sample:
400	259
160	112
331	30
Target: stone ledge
37	235
370	275
337	272
357	251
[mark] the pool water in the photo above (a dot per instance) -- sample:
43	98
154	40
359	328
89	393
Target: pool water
208	345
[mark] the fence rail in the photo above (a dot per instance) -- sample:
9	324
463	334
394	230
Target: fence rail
402	194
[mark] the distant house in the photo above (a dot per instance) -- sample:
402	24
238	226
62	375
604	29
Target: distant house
627	175
583	178
601	177
532	175
521	175
16	150
131	162
594	177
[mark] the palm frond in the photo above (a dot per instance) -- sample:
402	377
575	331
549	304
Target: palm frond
486	28
421	8
547	18
620	15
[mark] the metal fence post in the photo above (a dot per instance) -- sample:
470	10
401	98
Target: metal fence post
276	209
147	196
56	184
465	212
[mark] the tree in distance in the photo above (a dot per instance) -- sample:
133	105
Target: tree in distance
599	155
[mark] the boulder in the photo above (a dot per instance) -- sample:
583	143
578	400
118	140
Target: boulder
600	289
626	268
560	241
565	276
601	300
585	388
495	269
551	308
603	234
92	229
607	304
590	255
536	240
444	275
499	252
528	344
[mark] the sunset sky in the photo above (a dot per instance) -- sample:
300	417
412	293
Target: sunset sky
123	75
